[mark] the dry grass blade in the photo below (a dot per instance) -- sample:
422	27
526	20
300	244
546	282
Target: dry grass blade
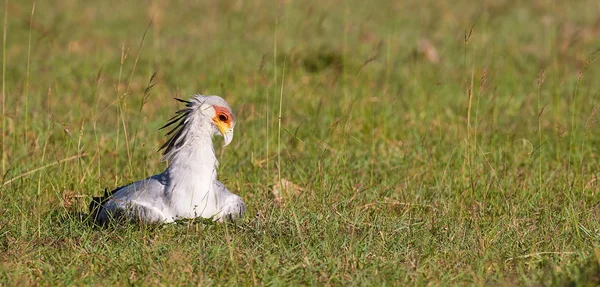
539	254
43	167
283	189
591	120
592	182
428	50
389	202
151	84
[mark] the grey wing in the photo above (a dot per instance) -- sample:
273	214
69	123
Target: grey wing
231	205
140	201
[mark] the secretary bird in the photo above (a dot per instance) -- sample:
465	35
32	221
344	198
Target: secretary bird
188	188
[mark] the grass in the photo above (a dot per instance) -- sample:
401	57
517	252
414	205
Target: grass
411	142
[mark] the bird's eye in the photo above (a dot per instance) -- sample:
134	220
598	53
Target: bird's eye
223	117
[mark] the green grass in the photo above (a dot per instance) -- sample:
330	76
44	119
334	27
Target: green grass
480	168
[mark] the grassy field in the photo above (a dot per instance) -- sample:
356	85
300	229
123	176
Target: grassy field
411	142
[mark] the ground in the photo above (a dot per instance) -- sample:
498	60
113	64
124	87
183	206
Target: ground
377	142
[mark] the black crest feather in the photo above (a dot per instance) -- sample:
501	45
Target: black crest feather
179	131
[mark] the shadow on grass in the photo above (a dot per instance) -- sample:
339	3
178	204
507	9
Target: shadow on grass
69	217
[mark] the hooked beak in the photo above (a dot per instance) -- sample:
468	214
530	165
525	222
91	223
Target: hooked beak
226	132
227	136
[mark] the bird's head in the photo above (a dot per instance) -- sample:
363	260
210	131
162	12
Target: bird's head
200	112
221	116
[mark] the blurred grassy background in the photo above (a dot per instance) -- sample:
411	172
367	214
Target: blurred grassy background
420	141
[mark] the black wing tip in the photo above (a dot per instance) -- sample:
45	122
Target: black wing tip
98	202
96	206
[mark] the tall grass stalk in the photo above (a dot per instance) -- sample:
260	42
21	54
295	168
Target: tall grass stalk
46	139
540	81
267	108
119	111
28	70
279	124
574	116
123	98
470	145
3	115
469	92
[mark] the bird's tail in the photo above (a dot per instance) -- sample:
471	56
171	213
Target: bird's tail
97	205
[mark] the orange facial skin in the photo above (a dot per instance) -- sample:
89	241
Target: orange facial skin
223	118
